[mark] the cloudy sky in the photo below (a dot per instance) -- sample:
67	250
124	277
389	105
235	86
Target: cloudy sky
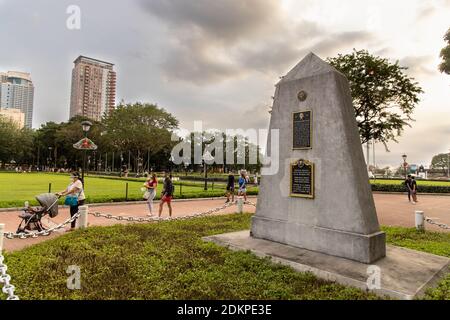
218	61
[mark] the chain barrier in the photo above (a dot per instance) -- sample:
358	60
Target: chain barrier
158	219
43	233
5	279
440	225
250	203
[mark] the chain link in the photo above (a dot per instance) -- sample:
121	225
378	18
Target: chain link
250	203
43	233
440	225
158	219
5	279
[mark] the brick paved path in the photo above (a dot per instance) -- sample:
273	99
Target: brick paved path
393	210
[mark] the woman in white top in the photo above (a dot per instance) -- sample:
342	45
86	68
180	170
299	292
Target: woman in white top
75	188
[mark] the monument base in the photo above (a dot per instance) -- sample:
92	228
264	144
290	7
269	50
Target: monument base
405	274
353	246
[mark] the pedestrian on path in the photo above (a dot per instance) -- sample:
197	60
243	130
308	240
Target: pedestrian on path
243	185
414	190
151	184
230	188
75	196
410	187
167	194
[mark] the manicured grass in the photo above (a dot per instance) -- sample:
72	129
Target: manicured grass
170	261
419	182
16	188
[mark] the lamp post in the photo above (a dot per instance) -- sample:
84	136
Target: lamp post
207	157
405	165
86	126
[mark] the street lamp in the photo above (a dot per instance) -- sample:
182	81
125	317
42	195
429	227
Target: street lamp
405	164
86	126
207	157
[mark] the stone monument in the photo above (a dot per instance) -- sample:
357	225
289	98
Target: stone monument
320	199
317	213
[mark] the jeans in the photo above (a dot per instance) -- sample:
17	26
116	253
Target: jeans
150	200
74	211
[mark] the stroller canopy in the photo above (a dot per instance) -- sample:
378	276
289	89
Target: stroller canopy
49	202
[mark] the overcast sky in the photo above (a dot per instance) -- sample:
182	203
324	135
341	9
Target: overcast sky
218	61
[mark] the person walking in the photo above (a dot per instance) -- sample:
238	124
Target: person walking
167	194
230	188
414	190
151	184
409	187
243	185
75	196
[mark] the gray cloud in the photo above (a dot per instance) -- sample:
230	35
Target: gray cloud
418	65
225	39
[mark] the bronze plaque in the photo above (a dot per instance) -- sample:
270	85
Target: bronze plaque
302	130
302	179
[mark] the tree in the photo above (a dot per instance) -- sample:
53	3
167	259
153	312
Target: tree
445	55
140	129
384	97
440	162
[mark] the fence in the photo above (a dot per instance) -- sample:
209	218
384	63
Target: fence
82	215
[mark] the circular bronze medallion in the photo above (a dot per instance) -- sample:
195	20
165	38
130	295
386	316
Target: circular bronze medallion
302	95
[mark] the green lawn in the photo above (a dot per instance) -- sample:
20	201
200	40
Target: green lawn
170	261
17	188
419	182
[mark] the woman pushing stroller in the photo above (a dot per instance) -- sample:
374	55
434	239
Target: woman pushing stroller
74	194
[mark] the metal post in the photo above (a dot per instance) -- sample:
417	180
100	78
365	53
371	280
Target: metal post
83	219
206	176
240	204
420	220
2	229
181	189
49	188
126	192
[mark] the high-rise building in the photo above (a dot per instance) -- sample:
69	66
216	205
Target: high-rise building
17	92
14	115
93	88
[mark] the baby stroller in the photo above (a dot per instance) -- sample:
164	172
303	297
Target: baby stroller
31	217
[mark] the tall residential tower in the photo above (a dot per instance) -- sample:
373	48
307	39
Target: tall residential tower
93	88
17	95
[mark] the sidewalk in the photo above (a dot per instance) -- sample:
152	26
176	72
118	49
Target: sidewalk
393	210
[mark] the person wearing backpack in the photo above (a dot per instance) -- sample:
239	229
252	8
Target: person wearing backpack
75	197
243	180
167	194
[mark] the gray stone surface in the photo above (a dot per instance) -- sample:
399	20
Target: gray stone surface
405	274
342	219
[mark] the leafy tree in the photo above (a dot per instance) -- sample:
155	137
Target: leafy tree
445	55
384	97
140	129
440	162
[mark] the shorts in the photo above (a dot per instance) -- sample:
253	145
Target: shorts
167	199
243	190
230	188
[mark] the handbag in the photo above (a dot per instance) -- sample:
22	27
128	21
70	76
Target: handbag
71	200
146	195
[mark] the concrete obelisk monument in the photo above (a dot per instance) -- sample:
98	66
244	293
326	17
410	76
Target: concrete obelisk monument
320	199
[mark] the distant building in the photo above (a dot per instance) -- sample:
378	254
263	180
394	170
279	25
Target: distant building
17	92
93	88
15	115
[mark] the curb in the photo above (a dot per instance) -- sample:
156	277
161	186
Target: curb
129	203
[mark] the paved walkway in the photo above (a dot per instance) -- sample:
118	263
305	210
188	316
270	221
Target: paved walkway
393	210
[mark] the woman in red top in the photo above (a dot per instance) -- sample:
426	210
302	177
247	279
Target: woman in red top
151	184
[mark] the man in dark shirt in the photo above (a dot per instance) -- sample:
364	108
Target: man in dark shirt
167	194
230	188
410	186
